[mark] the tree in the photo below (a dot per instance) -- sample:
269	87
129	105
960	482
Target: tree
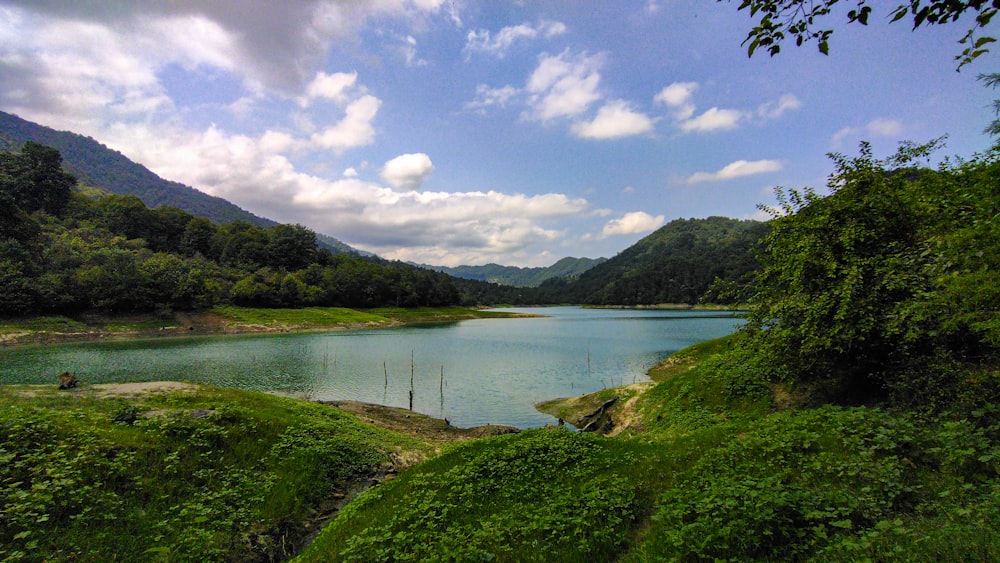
797	19
897	269
35	178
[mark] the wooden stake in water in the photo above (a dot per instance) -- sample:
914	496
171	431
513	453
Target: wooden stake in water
411	380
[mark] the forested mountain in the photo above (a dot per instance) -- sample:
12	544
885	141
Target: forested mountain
567	268
65	252
678	263
96	165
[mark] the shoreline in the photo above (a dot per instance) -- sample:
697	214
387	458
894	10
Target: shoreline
92	327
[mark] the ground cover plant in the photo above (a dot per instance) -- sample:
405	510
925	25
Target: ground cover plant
200	475
541	495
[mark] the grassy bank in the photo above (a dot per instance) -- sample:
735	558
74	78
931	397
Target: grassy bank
713	464
198	473
224	320
709	463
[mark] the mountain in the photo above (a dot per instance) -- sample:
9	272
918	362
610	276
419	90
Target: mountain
677	263
96	165
567	268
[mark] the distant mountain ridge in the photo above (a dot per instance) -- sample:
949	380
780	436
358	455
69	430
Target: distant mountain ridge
95	164
568	268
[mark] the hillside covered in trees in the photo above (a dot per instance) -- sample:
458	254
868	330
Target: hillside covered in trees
63	252
76	253
566	268
94	164
677	263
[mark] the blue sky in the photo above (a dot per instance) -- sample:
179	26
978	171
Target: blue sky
460	132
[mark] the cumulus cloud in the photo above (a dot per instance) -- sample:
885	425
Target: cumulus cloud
427	227
354	130
632	223
737	169
714	119
333	87
482	41
563	85
613	120
678	97
408	171
273	45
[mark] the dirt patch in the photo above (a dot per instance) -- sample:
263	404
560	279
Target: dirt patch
415	424
106	390
623	413
626	416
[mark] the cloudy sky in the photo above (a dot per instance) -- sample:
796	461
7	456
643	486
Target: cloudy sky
461	132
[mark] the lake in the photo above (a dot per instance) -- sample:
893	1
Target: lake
472	372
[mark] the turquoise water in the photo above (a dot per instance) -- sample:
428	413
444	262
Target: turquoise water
494	370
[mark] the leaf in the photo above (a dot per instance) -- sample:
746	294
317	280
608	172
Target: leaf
983	41
824	47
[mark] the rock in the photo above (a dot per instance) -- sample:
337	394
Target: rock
67	380
599	420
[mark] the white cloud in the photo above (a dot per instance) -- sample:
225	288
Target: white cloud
737	169
714	119
354	130
632	223
884	127
408	171
329	87
409	51
487	97
777	109
678	96
427	227
615	119
482	41
564	85
878	127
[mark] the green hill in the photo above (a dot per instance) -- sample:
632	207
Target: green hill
677	263
97	165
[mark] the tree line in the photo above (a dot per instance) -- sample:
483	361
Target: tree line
64	252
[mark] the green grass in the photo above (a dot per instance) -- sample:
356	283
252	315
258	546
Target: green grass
716	471
42	324
208	476
309	316
542	495
437	314
719	473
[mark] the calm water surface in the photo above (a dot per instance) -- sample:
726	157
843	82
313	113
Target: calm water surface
495	370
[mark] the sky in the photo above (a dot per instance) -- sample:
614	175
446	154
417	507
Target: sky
451	132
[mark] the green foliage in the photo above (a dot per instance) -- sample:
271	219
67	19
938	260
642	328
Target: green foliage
796	19
565	268
542	495
114	254
213	476
678	263
34	178
826	481
897	263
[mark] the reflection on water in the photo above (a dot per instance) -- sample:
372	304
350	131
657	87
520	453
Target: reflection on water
472	372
